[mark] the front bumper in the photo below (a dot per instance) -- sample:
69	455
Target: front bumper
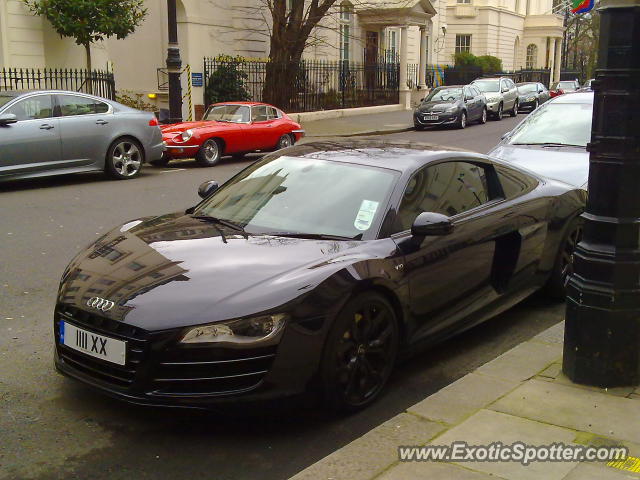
445	118
524	105
161	372
173	150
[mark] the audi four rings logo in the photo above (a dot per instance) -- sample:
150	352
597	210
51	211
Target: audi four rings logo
100	303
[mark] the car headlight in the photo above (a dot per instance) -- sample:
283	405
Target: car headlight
246	330
531	99
451	109
186	135
492	99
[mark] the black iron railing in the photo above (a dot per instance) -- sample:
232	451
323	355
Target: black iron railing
96	82
310	85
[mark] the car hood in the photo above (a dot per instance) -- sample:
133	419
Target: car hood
181	127
567	164
438	106
174	270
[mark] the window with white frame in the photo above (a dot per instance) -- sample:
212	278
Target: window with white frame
463	1
346	27
463	43
392	50
532	55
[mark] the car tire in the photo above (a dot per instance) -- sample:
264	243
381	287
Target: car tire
360	352
499	113
483	117
285	141
161	162
536	104
514	110
556	286
124	159
462	121
209	153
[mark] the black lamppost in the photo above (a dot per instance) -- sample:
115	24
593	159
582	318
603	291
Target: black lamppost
602	333
174	64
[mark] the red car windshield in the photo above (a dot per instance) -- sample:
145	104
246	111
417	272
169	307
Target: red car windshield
228	113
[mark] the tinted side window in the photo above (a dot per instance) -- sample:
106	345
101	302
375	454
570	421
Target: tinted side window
514	183
449	188
71	105
259	113
32	108
272	113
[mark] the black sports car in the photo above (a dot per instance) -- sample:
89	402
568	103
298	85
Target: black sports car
317	266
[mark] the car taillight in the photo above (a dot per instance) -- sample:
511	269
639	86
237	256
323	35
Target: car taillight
154	122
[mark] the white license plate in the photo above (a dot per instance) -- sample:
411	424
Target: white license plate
92	344
431	117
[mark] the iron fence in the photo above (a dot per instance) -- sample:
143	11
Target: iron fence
308	85
96	82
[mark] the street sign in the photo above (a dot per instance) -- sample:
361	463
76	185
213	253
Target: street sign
197	79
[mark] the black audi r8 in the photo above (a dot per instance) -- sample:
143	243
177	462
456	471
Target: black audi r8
315	267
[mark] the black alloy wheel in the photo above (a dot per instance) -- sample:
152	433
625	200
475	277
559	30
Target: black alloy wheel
360	352
564	262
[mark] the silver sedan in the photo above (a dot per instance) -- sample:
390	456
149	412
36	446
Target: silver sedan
54	132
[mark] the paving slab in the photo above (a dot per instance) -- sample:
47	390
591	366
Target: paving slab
486	427
372	453
463	397
575	408
554	334
433	471
522	362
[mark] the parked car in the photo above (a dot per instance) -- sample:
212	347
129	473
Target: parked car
52	132
565	86
233	128
451	105
531	95
552	140
316	267
501	95
588	86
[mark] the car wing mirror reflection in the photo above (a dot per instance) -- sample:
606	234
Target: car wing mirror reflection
207	188
431	224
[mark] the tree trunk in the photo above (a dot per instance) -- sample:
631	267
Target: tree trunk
89	79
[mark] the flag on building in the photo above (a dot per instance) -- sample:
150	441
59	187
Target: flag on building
582	6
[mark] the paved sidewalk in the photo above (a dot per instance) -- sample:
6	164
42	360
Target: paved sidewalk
371	124
521	396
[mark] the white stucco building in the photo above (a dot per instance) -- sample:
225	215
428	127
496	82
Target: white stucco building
523	33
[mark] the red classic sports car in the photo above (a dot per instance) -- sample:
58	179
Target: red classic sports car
233	128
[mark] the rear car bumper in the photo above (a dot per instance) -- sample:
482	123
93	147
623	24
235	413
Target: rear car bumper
161	372
155	151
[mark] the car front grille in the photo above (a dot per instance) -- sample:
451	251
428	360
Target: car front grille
122	376
212	371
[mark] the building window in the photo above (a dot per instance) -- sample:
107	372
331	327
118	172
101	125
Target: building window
392	47
346	19
463	43
464	1
532	55
135	266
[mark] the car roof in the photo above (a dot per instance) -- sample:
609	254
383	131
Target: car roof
491	78
405	157
526	83
574	97
250	104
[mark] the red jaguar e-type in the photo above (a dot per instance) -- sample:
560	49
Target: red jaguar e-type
233	128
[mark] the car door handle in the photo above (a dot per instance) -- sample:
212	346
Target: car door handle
101	122
46	126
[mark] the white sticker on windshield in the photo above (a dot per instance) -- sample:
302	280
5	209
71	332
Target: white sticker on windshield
365	214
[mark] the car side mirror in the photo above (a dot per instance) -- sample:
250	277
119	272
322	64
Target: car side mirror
207	188
7	118
505	89
431	224
468	98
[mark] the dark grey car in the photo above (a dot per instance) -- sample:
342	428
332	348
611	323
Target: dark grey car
451	105
54	132
531	95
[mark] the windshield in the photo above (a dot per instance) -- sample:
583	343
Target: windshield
228	113
529	88
556	123
565	86
487	86
4	99
304	195
444	95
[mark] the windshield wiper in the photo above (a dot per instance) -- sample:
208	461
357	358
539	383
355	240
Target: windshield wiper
221	221
550	144
314	236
